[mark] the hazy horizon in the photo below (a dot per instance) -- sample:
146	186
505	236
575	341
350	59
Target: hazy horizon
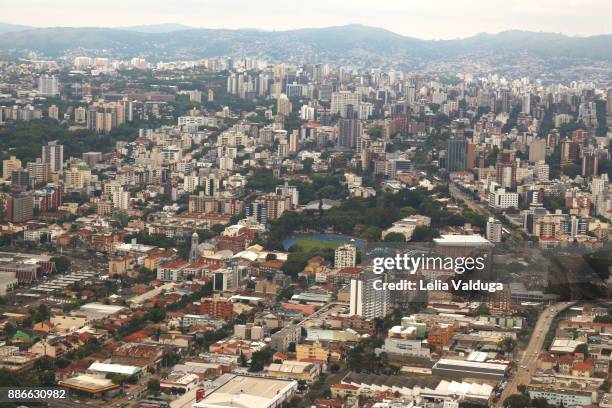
442	19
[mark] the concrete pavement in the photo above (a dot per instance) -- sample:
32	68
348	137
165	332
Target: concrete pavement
528	358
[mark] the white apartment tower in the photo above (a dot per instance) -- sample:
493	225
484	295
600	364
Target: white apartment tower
366	301
48	85
494	230
345	256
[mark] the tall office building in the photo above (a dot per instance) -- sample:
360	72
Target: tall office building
456	154
366	301
53	153
48	85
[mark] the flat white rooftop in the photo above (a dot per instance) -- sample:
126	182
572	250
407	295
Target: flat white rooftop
248	392
462	240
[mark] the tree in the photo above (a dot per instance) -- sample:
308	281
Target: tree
296	262
156	314
371	233
170	358
46	378
603	319
121	217
153	385
285	293
307	163
395	237
540	403
571	169
507	344
42	313
517	401
582	348
260	359
217	228
119	379
62	263
482	310
423	233
9	329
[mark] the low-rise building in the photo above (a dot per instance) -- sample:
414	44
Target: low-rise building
249	392
295	370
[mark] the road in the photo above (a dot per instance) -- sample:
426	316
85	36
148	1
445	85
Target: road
528	358
456	193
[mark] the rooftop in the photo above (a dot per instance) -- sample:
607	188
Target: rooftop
114	368
462	240
247	392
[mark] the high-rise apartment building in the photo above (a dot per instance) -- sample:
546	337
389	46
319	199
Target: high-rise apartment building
53	153
537	150
494	230
9	165
340	101
366	301
23	207
345	256
283	105
48	85
349	131
54	112
590	163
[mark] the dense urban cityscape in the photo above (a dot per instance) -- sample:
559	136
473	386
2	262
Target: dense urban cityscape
246	230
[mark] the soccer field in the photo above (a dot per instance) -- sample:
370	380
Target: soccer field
309	244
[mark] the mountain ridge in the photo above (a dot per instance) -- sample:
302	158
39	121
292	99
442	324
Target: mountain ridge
354	41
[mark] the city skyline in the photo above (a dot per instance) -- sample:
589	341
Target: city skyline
318	204
439	20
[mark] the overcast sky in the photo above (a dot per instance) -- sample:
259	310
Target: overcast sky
431	19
